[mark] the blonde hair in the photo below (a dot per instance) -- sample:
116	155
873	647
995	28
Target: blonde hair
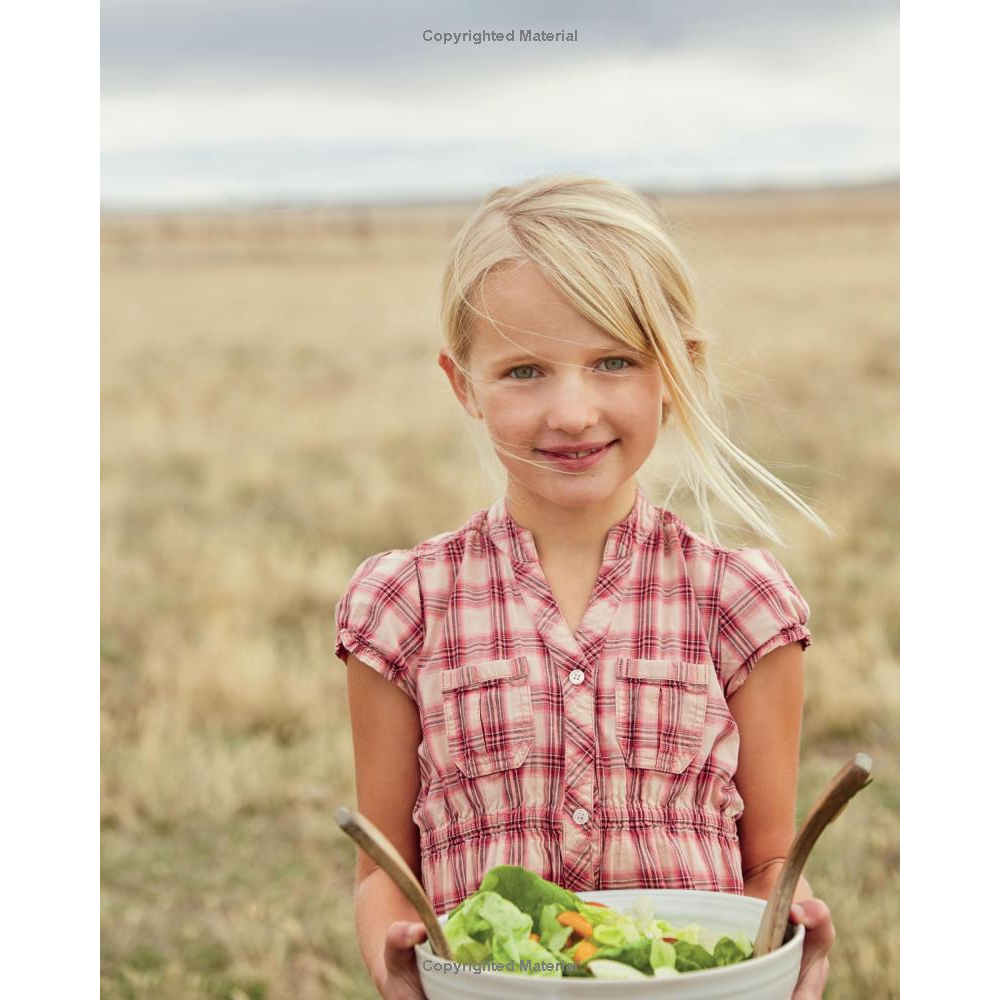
607	251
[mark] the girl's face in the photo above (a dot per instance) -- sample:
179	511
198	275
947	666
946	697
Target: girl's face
547	381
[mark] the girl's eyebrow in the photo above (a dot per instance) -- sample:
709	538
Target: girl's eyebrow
527	358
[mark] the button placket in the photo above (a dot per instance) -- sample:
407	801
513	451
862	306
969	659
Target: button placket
581	848
578	846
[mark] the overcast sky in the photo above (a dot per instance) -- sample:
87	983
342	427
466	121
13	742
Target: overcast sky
215	103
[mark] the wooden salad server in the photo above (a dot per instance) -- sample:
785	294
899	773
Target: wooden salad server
848	781
379	848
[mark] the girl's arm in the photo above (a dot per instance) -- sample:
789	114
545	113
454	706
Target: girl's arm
768	711
385	725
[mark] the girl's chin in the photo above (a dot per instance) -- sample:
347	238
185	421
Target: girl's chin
576	491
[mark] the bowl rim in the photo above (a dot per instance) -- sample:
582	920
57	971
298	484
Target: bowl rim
772	957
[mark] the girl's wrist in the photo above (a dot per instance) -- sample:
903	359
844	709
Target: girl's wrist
761	884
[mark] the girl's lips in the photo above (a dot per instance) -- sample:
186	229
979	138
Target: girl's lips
577	464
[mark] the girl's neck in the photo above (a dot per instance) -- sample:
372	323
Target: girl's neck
570	532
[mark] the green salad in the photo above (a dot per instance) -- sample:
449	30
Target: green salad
518	922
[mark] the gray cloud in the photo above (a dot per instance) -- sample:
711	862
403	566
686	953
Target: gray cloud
163	40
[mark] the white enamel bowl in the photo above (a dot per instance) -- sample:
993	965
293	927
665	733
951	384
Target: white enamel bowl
772	977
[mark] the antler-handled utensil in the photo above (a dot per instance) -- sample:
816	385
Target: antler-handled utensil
851	778
380	849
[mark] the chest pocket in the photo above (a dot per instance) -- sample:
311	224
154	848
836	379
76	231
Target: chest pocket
660	712
487	715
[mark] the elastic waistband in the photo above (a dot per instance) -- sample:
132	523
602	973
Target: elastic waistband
618	817
439	838
436	838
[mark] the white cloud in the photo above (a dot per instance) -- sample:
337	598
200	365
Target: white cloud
676	117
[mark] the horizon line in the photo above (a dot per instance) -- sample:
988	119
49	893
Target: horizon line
418	201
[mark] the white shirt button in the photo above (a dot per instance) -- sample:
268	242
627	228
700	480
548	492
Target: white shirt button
576	677
581	816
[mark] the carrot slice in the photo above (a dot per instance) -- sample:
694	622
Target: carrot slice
579	923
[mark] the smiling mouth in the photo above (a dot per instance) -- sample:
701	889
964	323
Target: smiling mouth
576	454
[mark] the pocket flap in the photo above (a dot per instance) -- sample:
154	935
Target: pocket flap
664	671
477	674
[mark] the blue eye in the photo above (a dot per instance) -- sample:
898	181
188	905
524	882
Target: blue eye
522	368
620	364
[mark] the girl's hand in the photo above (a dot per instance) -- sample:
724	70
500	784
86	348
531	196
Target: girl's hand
401	980
814	915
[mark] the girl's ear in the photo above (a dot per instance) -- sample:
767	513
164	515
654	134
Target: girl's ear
459	383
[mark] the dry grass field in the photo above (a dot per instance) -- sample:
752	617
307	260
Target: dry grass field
272	414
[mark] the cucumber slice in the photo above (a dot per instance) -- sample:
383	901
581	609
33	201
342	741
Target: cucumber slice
607	968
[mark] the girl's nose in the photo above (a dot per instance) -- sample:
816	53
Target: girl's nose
572	408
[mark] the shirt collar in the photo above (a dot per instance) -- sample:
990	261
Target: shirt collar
519	545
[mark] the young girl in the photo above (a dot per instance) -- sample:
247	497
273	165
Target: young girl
574	681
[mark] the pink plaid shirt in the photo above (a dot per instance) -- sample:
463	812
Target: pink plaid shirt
600	760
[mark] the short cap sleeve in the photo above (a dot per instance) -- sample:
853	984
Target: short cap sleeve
380	617
760	609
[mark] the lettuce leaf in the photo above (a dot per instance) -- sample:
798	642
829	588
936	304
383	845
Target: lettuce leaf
692	934
692	956
508	949
727	952
635	953
554	935
662	955
487	927
611	928
744	943
529	892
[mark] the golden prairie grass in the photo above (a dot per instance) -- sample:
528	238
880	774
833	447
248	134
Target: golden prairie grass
272	415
